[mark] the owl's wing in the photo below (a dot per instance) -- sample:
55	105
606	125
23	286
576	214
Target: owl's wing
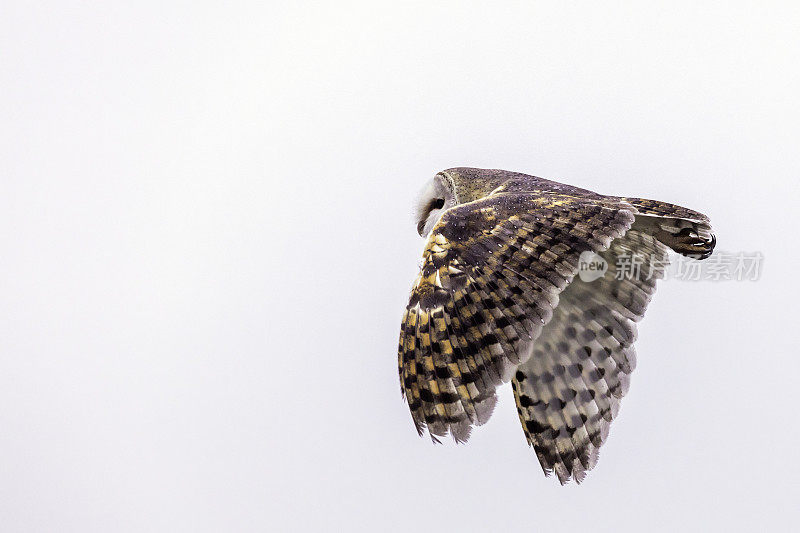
490	279
569	391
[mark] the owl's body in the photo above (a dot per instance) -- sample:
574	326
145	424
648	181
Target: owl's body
498	298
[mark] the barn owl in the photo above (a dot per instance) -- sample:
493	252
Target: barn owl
499	297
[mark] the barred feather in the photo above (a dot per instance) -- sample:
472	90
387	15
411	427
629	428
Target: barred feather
491	274
569	391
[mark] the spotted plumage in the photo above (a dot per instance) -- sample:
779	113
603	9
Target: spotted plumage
498	298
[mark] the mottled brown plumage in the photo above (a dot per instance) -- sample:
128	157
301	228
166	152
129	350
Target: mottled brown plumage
497	298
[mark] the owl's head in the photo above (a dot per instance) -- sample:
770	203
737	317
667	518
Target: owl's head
452	187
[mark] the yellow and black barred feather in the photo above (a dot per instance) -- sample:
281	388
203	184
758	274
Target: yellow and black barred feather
490	279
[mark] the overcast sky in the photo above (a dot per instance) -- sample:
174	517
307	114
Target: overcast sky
207	241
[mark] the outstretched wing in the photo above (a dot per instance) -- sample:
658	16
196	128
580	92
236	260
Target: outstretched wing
569	391
490	279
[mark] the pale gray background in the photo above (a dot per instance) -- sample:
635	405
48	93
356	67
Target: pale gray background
206	244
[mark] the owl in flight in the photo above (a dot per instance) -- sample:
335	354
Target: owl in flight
499	297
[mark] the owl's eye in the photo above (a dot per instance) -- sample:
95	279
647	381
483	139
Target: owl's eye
432	206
